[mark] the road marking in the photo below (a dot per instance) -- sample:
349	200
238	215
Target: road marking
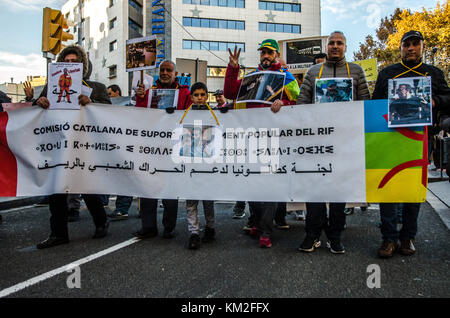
62	269
439	207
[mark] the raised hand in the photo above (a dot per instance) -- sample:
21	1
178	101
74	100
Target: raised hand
28	89
234	57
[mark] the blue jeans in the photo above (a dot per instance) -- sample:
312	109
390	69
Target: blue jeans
389	217
123	204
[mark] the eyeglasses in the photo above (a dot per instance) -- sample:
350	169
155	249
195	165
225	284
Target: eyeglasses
199	94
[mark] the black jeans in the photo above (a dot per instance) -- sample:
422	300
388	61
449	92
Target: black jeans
389	217
149	208
262	214
316	219
59	210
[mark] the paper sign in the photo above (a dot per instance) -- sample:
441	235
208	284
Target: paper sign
64	85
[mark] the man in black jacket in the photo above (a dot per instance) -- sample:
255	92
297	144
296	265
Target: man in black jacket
411	49
58	202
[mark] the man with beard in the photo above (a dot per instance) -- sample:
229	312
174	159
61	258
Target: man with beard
261	221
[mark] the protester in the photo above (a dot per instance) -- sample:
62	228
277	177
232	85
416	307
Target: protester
316	216
221	100
269	61
148	207
123	203
411	65
199	96
58	202
3	99
167	80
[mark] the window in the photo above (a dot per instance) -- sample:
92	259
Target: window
279	6
214	46
187	21
204	23
211	45
278	27
220	3
112	23
187	45
113	46
206	45
195	22
223	24
133	25
213	23
135	5
112	71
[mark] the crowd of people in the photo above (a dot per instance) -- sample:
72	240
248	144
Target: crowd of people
263	215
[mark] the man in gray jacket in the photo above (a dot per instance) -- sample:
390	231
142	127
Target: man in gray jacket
334	66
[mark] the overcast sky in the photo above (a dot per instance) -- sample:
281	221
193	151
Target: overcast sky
20	28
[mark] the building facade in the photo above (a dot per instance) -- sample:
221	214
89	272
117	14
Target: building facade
102	27
206	29
187	29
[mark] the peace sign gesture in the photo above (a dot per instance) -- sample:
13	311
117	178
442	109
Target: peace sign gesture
234	58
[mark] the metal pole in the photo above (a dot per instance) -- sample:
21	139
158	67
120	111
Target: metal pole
196	70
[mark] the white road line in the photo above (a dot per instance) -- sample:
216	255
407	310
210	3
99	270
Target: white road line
62	269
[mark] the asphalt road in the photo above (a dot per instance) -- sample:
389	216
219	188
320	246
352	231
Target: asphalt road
232	266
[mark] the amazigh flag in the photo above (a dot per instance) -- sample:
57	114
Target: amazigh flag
396	159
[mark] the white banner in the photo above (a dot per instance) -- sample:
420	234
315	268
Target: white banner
315	153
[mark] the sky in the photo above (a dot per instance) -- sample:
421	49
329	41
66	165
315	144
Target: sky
21	26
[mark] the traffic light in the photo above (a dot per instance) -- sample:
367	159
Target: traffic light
53	34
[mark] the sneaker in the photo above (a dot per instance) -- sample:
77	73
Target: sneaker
144	234
168	234
282	225
209	235
309	244
116	216
387	249
254	232
300	215
336	247
407	247
265	242
247	228
74	215
238	213
194	242
101	231
52	241
349	211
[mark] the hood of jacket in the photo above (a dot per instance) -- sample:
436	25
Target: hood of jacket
79	51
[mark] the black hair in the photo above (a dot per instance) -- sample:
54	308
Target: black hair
115	88
199	85
319	56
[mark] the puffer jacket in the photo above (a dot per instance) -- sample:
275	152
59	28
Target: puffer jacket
232	85
333	69
99	92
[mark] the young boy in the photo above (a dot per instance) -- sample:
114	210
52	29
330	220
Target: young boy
199	96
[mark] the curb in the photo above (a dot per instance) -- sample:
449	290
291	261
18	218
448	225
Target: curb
440	207
19	202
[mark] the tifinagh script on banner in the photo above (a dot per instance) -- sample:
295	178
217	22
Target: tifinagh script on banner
303	153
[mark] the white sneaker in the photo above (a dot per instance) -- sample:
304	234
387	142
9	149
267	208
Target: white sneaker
300	215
